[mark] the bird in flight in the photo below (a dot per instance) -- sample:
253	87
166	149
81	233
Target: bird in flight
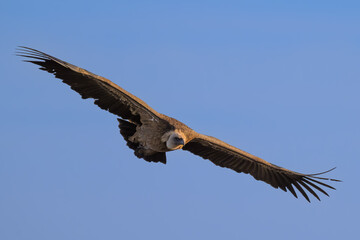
151	134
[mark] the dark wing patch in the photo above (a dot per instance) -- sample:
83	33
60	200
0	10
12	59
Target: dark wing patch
225	155
128	129
107	95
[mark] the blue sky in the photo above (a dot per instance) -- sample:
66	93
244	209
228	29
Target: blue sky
277	79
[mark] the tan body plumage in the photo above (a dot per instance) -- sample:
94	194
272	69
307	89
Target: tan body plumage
151	134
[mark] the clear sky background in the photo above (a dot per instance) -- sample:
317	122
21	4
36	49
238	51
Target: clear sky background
278	79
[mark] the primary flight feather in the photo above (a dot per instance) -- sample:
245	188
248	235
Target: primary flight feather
151	134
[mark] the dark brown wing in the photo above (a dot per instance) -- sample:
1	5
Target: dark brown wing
225	155
107	94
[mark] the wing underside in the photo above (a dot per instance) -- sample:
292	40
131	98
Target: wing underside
107	94
225	155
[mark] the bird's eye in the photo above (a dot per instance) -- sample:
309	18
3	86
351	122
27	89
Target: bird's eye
177	138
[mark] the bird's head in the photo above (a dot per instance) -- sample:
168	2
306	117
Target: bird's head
175	141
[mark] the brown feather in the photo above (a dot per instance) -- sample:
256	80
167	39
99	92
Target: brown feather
219	152
143	129
107	94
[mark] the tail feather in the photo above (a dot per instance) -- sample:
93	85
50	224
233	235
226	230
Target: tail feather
157	157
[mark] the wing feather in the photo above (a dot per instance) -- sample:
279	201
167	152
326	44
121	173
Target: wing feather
107	94
225	155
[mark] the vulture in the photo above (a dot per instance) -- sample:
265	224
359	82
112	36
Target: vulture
151	134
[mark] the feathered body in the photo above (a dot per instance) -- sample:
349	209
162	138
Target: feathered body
151	134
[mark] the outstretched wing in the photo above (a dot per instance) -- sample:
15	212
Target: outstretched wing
107	94
225	155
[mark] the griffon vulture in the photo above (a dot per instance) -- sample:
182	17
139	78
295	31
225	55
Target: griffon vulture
151	134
